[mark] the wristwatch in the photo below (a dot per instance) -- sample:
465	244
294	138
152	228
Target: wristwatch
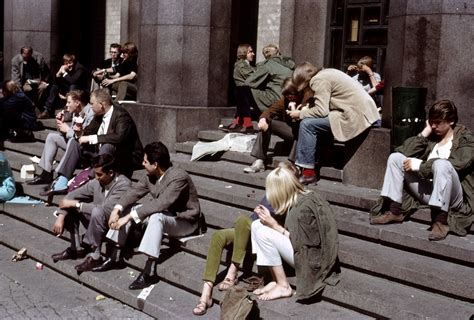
78	205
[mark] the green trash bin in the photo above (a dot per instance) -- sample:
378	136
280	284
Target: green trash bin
408	113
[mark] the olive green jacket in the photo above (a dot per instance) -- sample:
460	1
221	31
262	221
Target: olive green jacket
266	81
242	70
313	235
462	159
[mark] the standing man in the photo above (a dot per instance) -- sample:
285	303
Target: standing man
31	73
90	204
174	209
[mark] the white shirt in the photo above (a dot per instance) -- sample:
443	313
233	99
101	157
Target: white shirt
438	152
104	126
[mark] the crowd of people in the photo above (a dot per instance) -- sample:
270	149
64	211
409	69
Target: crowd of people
293	225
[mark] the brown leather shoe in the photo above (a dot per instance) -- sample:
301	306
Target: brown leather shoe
88	264
439	231
387	218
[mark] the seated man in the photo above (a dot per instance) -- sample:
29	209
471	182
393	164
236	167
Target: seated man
113	62
265	83
90	204
112	130
174	209
17	114
123	78
81	113
274	120
7	183
31	73
433	168
71	76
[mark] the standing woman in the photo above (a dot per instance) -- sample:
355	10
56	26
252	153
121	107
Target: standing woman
242	69
307	241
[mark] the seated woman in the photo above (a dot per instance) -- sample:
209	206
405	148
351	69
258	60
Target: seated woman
342	110
123	78
242	69
307	241
238	237
7	183
17	113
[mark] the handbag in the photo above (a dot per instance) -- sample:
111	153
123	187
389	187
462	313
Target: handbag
238	304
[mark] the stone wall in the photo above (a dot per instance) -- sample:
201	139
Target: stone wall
430	45
113	12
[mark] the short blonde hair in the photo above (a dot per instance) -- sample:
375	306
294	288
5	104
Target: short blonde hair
102	96
282	188
270	50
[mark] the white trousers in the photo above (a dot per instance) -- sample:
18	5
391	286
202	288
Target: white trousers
270	246
443	191
157	225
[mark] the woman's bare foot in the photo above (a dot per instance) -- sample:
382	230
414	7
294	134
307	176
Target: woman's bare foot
276	292
265	289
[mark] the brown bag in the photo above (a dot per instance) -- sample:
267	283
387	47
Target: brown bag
238	304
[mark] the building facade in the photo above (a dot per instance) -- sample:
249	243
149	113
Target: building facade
187	47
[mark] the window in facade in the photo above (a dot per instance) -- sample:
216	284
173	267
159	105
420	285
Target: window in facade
358	28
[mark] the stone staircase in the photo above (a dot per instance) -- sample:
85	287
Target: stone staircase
387	271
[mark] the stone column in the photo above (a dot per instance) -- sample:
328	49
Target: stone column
183	68
430	45
299	28
30	23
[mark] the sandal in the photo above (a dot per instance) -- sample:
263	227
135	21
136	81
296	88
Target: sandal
253	283
201	308
227	283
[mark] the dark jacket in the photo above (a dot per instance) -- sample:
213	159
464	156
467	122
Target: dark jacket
266	81
462	159
122	133
78	77
17	112
313	235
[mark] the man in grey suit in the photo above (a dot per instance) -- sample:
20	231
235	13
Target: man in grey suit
174	209
31	73
90	204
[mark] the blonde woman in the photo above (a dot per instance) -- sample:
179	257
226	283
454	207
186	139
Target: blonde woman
307	241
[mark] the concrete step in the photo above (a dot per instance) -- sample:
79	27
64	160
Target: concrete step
114	283
41	245
166	301
247	159
410	235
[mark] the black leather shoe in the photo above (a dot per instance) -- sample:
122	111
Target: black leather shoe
68	254
109	264
143	281
88	264
41	179
52	192
233	127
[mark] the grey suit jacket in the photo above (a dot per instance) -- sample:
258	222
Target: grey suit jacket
175	194
92	195
17	67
